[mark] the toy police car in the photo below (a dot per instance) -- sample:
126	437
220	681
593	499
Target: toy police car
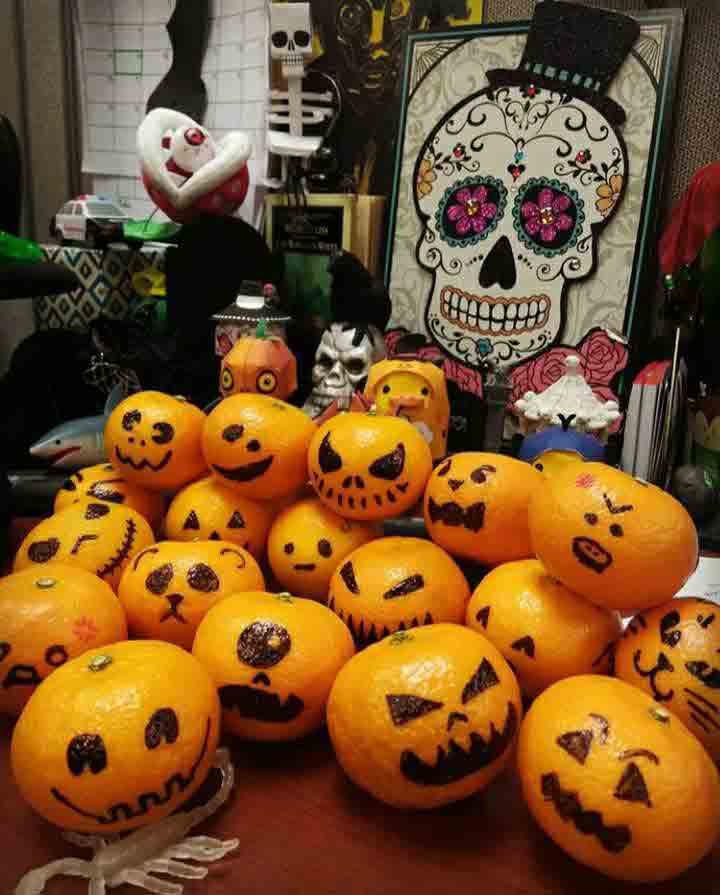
92	220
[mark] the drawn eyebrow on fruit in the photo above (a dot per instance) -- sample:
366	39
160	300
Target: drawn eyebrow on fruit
80	541
137	559
614	510
444	469
237	553
407	586
638	753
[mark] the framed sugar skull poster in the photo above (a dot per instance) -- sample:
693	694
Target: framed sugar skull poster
522	214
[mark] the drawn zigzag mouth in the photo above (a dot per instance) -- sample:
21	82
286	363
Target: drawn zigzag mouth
144	463
357	500
494	316
569	807
364	635
259	705
122	554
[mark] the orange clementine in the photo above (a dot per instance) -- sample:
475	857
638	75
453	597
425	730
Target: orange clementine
614	539
671	652
393	584
273	658
48	616
117	738
99	537
308	541
367	467
617	781
425	717
545	631
258	445
476	506
168	588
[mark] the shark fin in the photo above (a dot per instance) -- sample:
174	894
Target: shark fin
116	395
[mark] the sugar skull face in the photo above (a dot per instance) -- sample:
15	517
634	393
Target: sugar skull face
513	187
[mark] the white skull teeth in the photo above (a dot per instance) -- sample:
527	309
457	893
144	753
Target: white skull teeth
495	316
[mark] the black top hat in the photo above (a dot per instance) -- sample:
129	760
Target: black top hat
256	301
574	49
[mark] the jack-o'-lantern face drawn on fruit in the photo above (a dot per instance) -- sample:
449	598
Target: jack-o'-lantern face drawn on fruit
616	780
476	506
274	659
617	540
99	537
117	738
307	542
258	446
210	511
425	717
168	588
673	653
369	467
154	440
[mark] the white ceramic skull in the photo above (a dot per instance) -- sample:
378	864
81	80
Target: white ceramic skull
342	363
291	35
513	188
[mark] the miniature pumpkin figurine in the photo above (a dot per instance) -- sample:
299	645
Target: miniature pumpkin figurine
425	717
210	511
259	363
672	652
99	537
308	541
393	584
48	616
258	445
118	738
617	781
154	440
274	659
169	587
415	390
365	466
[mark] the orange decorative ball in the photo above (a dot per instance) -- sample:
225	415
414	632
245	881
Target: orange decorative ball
169	587
154	440
369	467
307	542
545	631
394	584
103	483
476	507
614	539
617	781
209	511
99	537
48	616
259	364
273	658
672	653
118	738
258	446
425	717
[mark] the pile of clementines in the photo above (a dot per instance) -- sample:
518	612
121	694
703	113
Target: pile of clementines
243	553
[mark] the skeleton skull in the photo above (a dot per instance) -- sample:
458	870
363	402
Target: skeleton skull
342	363
290	35
513	188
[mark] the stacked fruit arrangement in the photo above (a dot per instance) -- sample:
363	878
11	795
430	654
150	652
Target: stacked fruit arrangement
273	595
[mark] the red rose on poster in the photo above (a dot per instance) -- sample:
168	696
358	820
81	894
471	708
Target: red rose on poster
601	357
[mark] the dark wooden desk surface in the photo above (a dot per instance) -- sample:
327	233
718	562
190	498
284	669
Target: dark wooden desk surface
304	829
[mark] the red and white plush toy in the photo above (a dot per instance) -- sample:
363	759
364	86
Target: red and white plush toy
186	172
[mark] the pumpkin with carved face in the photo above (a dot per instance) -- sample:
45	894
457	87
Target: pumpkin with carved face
614	539
476	506
99	537
368	467
273	658
208	510
425	717
258	446
169	587
103	483
672	652
154	440
394	584
617	781
307	542
259	364
117	738
48	616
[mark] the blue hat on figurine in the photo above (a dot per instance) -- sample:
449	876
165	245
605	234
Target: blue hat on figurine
558	445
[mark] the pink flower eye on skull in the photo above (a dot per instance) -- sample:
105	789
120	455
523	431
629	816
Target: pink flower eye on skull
470	210
548	216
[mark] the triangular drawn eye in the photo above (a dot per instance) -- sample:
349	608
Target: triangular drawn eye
632	786
236	520
192	523
407	708
484	678
577	744
444	469
389	466
328	457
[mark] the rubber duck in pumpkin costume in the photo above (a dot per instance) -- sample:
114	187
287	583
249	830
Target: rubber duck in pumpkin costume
415	390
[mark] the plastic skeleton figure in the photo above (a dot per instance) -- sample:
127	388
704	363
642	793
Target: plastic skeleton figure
135	858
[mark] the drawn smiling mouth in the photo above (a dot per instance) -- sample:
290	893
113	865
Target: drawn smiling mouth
569	807
245	473
591	554
144	463
452	514
122	554
176	784
259	705
456	763
22	676
304	567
